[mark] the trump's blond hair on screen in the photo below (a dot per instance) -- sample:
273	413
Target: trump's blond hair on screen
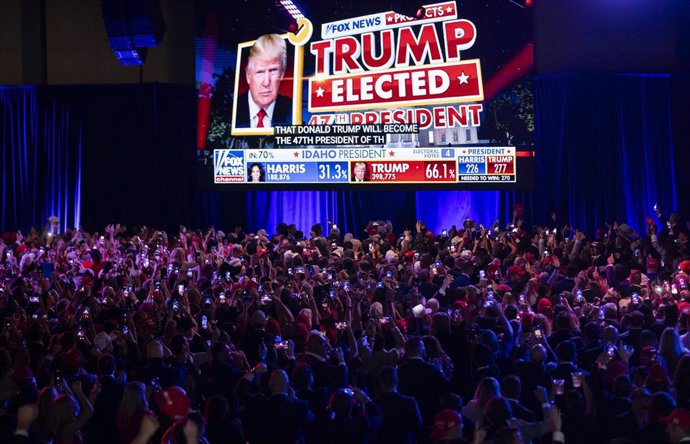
269	46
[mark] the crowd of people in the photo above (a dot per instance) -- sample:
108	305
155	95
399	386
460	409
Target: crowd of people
496	334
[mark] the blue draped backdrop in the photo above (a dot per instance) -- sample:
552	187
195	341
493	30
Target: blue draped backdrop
41	160
98	154
605	147
605	153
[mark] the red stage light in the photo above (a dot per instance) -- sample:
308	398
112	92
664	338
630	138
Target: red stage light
409	8
206	82
520	65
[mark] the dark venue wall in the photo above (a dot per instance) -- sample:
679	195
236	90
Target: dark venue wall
610	132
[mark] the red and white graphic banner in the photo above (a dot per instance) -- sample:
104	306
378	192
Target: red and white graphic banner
432	84
375	22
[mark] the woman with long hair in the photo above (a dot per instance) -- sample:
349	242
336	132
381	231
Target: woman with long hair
671	348
256	173
681	382
46	401
69	415
437	356
132	410
223	425
486	389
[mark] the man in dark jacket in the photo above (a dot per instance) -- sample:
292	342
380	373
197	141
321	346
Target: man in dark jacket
402	421
422	380
567	365
277	418
221	376
101	427
326	375
353	418
511	388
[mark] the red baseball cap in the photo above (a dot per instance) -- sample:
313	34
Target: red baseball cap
543	305
444	423
502	288
683	305
173	402
679	417
518	209
685	267
460	305
652	265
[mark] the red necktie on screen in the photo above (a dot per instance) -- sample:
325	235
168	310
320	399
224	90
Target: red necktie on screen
260	115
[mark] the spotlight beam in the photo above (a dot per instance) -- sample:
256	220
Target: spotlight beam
517	4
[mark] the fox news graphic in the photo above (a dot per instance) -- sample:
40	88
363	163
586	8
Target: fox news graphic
259	101
341	165
228	166
291	78
486	164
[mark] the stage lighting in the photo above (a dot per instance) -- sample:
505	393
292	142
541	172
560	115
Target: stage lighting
291	8
288	19
131	27
528	3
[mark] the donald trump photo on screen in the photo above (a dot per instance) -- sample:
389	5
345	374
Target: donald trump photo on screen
262	106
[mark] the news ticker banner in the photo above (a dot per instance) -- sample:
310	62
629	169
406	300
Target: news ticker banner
368	165
340	134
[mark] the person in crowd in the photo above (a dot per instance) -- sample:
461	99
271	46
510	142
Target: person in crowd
422	380
45	403
586	338
286	415
71	412
486	389
402	421
671	349
223	425
681	382
131	411
678	425
448	428
511	388
353	418
106	396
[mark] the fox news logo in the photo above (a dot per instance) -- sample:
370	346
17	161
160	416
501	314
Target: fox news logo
352	26
228	166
